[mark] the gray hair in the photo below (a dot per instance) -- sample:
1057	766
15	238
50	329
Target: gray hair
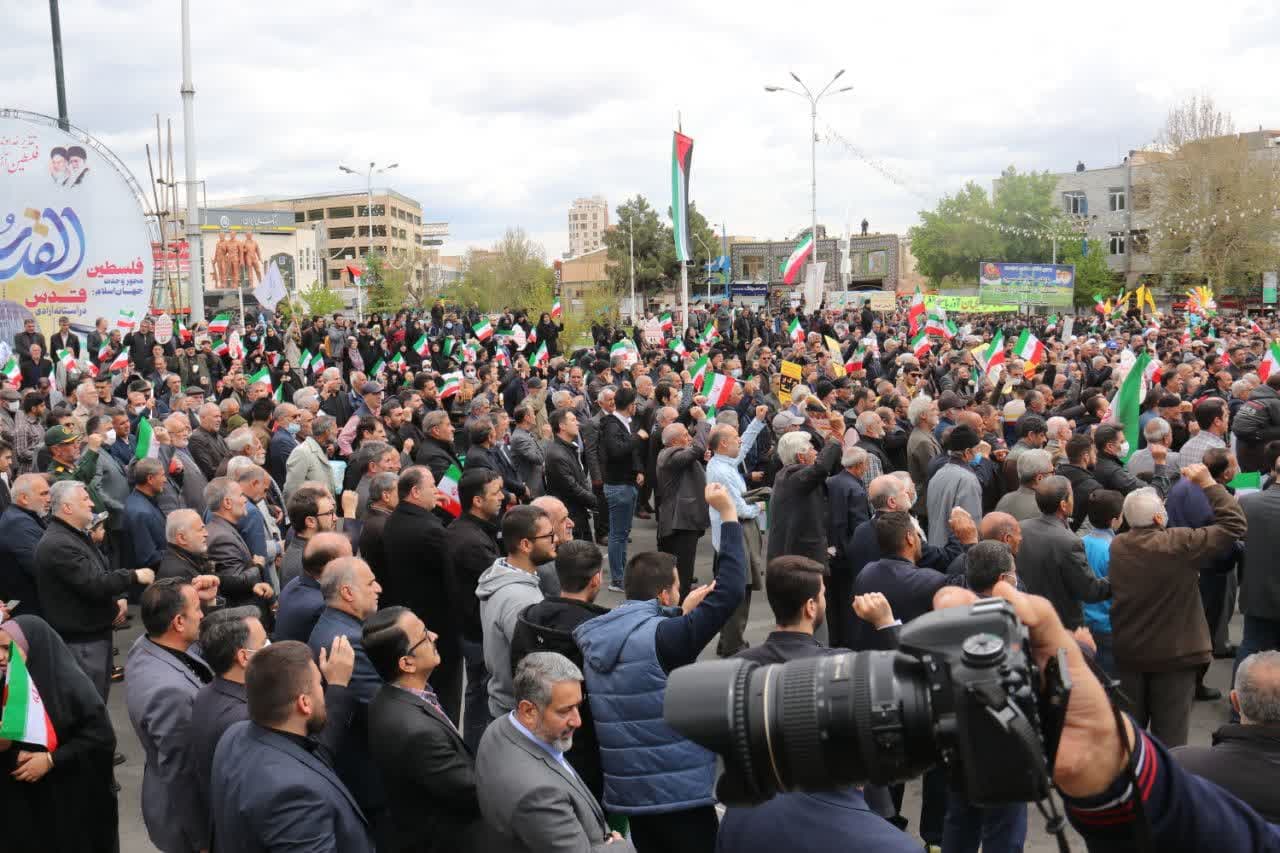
1141	506
179	521
239	439
538	673
791	445
148	467
337	574
225	405
242	469
1157	429
665	415
799	394
61	493
217	491
670	431
1240	389
866	420
322	425
883	489
918	408
303	398
560	399
382	484
1259	696
1057	423
283	411
1033	463
25	485
433	419
728	417
852	457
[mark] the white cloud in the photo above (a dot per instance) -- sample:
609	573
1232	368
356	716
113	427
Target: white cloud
501	113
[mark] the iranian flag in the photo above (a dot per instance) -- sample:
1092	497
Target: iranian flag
263	375
920	343
858	360
23	717
449	385
449	344
183	332
126	321
397	363
994	355
699	367
220	348
676	346
273	358
1269	362
938	324
709	334
148	447
539	355
717	387
627	350
104	352
1124	408
357	275
1028	348
218	325
471	352
66	359
1099	305
483	330
304	360
1153	372
795	331
532	337
12	371
379	367
667	323
916	311
317	362
120	362
502	357
448	487
91	369
795	263
421	346
556	309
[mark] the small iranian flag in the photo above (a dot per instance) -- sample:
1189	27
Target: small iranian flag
795	331
279	394
379	367
502	357
1099	305
994	355
858	360
449	344
938	323
1028	348
916	311
126	321
91	369
920	343
218	325
421	346
717	387
273	358
627	350
397	363
1269	362
183	332
304	360
66	359
23	717
147	448
532	337
104	352
791	269
12	371
483	330
1153	372
220	348
676	346
449	385
699	367
317	362
667	322
263	375
539	355
470	352
448	487
556	309
709	334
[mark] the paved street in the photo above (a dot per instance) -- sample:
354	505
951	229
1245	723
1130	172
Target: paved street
1206	717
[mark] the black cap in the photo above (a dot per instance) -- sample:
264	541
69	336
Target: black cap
961	438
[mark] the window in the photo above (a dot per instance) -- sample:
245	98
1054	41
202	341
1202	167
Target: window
378	230
1075	203
314	215
364	210
1116	196
342	233
1116	243
299	217
1139	242
335	275
341	212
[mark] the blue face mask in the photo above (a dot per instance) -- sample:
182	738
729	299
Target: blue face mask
976	461
294	428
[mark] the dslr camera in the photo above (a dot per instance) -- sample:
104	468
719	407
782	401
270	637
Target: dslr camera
962	689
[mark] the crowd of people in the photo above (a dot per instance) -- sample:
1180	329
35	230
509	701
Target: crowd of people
368	557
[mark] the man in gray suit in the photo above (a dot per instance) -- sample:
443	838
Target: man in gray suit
526	449
1051	559
529	794
163	677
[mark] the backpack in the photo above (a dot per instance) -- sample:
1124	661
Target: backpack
1251	419
531	637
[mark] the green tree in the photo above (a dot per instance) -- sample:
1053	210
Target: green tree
384	285
320	300
654	250
1093	276
513	274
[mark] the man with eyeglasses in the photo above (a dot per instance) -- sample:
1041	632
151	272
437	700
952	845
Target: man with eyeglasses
311	510
229	639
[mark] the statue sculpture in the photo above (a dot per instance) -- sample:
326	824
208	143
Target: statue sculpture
222	261
252	261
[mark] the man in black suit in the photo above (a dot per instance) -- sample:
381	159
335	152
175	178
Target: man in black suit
426	769
682	513
64	338
23	340
566	476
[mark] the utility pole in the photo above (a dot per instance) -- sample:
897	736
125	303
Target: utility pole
195	245
55	25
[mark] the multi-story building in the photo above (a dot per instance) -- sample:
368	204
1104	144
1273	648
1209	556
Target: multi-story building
588	220
870	262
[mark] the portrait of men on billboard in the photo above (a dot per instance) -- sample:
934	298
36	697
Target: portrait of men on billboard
77	169
58	165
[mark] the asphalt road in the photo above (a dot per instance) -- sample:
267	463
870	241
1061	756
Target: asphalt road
1206	716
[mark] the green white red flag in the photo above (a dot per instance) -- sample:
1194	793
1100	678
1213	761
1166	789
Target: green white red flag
993	357
23	716
717	387
148	447
626	349
448	487
483	330
920	343
263	375
12	371
104	352
66	359
667	323
795	331
422	346
449	385
218	325
397	363
220	348
916	311
791	268
676	346
709	334
1125	406
539	355
699	367
1029	348
1269	362
556	309
126	322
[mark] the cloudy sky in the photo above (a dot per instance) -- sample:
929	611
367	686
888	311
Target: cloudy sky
500	113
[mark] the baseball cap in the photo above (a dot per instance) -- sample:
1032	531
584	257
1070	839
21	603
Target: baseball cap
950	400
785	419
59	435
194	391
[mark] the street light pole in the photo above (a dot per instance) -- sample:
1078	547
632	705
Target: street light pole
369	215
631	252
813	146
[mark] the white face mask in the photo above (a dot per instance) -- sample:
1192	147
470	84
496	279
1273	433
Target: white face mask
1124	450
109	438
12	406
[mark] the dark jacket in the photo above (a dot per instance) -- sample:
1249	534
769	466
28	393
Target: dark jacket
682	483
281	445
567	479
301	603
908	587
438	456
833	821
232	563
488	457
847	501
209	450
1111	474
371	539
181	563
418	571
473	547
1245	760
144	531
428	773
1260	587
20	533
1051	563
619	452
1083	485
798	507
77	591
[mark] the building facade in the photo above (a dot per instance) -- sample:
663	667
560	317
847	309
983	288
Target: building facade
268	237
588	220
869	262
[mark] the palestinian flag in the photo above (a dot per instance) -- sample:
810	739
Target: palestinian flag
126	321
104	352
795	331
681	163
676	346
422	346
220	348
148	447
483	330
556	310
121	361
448	487
1124	408
263	375
699	367
539	355
397	363
1269	362
449	385
791	268
12	371
920	343
66	359
709	334
667	322
357	275
379	367
916	311
994	355
1029	348
218	325
23	717
717	387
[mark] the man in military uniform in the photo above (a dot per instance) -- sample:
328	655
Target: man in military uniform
70	463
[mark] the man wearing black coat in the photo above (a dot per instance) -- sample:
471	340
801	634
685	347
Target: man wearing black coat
483	454
417	576
21	528
682	514
566	477
436	451
23	340
848	507
798	507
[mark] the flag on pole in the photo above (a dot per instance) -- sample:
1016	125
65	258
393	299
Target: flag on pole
279	394
422	346
795	331
717	387
795	263
938	324
668	324
681	163
218	325
539	355
857	361
699	367
916	311
357	276
920	343
1099	305
483	330
220	348
66	359
12	371
449	385
1028	348
448	487
1269	362
676	346
120	362
532	337
263	375
1124	409
148	447
379	367
126	321
23	716
993	357
557	310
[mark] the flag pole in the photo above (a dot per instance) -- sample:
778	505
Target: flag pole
684	295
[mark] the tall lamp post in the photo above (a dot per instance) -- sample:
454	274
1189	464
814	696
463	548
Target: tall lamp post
813	142
369	210
631	254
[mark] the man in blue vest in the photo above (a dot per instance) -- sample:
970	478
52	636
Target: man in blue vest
661	781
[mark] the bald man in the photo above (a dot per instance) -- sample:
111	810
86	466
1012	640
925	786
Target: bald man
301	599
995	527
562	527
